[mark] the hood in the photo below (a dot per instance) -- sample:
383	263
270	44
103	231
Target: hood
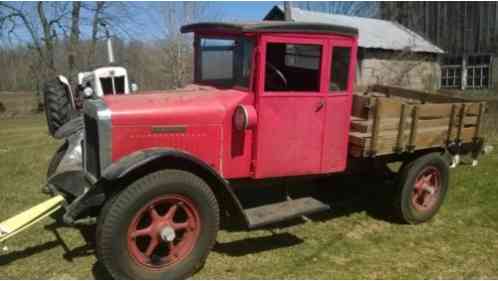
191	105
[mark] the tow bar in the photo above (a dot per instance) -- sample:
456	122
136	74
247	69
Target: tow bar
28	218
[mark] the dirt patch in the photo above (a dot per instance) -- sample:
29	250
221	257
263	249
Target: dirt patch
2	108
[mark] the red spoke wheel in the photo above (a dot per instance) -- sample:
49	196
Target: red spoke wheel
152	229
427	189
164	231
422	187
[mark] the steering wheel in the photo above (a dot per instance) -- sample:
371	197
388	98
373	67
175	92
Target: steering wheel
278	74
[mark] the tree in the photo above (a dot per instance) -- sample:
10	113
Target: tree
74	37
177	48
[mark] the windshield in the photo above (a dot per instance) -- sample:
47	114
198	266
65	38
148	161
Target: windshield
225	61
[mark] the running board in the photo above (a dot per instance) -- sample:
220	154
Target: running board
282	211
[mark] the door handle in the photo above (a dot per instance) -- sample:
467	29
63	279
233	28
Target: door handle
319	105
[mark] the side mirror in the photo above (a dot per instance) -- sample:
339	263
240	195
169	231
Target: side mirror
134	87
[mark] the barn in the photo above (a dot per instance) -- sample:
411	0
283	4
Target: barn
389	53
468	32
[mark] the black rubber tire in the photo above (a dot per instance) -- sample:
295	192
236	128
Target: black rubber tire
117	215
58	108
403	206
71	127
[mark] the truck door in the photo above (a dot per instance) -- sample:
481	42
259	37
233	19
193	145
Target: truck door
291	107
340	80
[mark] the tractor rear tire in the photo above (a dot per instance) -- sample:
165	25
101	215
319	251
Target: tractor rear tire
162	226
422	188
58	107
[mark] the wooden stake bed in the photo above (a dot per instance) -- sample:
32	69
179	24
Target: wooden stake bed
388	120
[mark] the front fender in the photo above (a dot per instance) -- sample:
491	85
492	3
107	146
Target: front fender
141	163
129	163
64	81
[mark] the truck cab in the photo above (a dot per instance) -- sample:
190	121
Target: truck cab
298	79
269	100
272	100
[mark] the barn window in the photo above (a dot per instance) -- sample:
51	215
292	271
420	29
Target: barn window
478	72
477	68
451	72
451	76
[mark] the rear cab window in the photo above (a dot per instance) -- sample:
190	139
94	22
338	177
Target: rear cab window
340	67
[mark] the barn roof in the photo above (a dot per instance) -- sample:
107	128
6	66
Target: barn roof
373	33
271	26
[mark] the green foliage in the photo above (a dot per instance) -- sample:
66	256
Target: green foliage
350	242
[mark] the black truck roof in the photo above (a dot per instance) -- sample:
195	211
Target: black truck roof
270	26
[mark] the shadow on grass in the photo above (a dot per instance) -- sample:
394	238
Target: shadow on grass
349	195
99	272
27	252
344	194
69	254
256	245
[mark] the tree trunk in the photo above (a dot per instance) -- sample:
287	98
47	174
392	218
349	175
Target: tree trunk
48	38
74	39
95	30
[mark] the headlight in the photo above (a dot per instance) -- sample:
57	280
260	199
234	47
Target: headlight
245	117
88	92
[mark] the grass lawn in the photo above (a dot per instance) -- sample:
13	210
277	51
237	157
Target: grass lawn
18	104
350	242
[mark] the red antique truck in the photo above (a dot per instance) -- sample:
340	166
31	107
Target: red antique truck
270	100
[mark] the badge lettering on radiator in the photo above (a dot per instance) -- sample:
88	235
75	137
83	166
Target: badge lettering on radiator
168	129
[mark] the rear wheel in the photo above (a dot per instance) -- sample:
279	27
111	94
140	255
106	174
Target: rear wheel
58	108
152	230
422	188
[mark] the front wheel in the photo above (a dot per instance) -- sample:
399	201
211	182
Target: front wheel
422	188
162	226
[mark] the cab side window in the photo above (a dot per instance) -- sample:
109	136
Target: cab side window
293	67
339	74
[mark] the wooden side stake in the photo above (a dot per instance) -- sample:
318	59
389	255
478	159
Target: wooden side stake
479	121
401	130
413	132
376	127
461	123
452	122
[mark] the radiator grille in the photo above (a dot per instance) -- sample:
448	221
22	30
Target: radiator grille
91	147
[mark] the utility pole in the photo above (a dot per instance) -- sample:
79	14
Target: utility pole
287	11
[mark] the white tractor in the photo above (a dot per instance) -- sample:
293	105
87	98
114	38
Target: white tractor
63	102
